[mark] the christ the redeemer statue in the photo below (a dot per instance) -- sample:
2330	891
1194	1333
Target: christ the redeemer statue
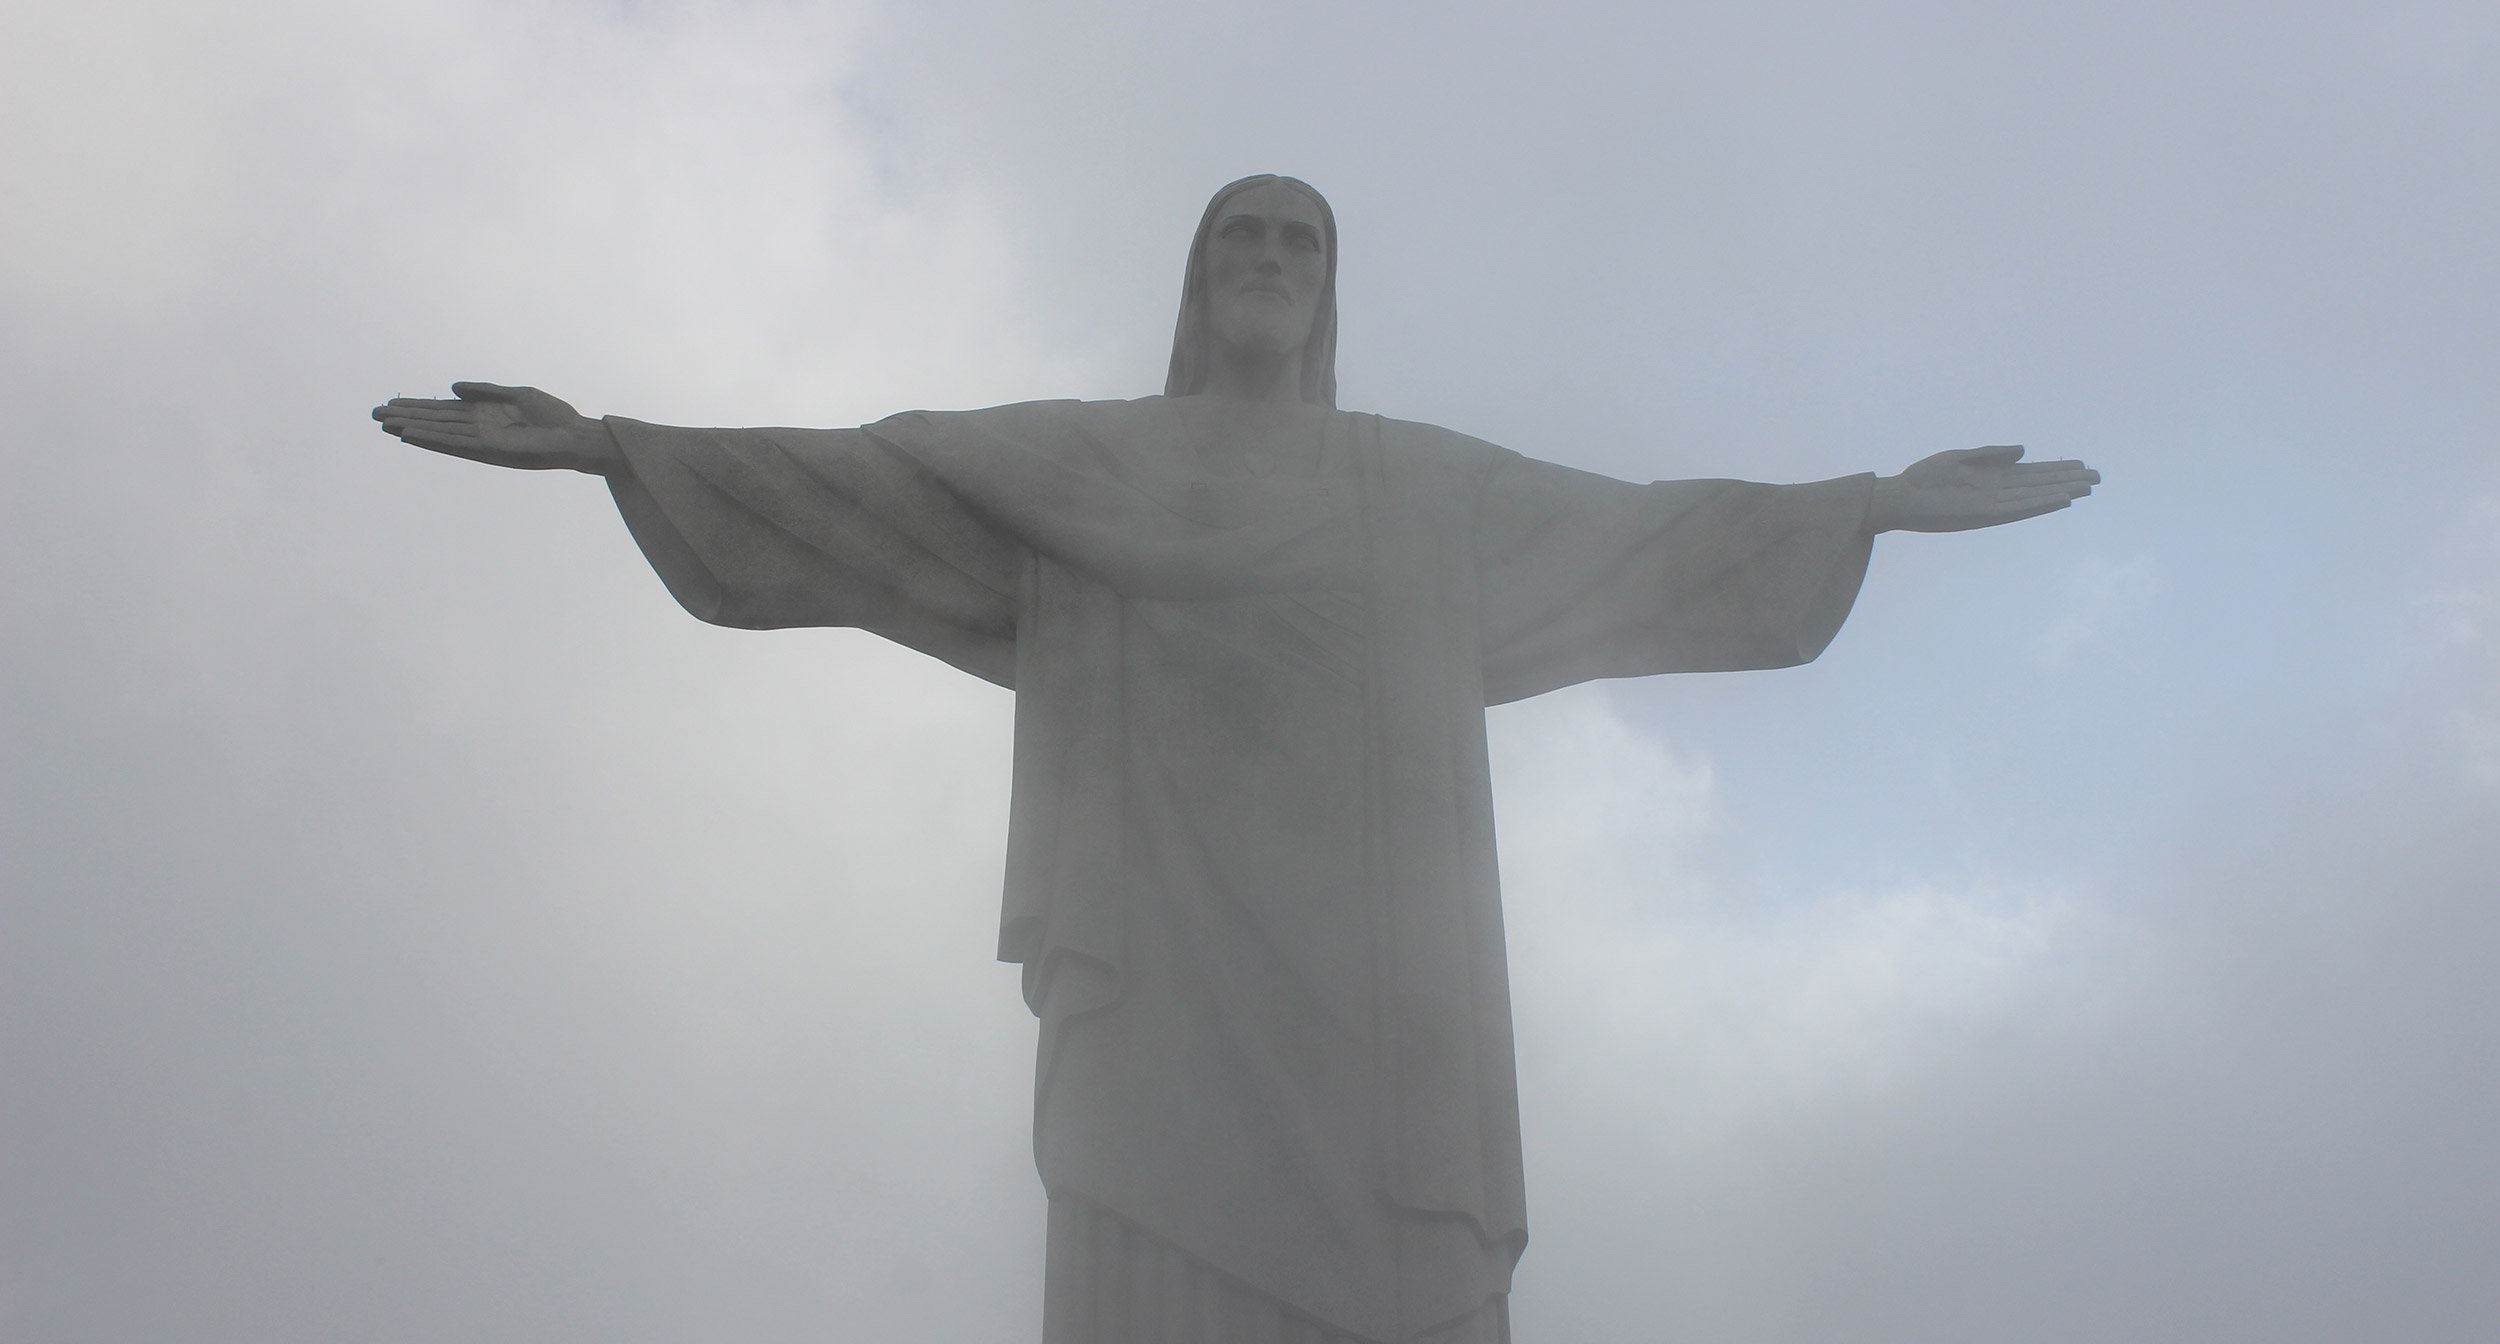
1250	868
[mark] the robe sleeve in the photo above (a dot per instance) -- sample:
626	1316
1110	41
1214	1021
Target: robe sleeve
1583	576
770	528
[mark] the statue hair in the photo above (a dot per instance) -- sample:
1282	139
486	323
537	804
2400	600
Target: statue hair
1191	356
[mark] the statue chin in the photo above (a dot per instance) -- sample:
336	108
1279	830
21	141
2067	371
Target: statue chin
1264	335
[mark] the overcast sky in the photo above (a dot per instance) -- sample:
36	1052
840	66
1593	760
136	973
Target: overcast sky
417	928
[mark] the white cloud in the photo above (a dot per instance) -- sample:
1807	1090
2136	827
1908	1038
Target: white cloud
2097	597
498	943
1662	985
2464	622
2477	739
2466	615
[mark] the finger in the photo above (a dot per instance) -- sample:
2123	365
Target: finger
2065	464
475	450
2035	496
2036	510
2051	473
456	445
470	427
2004	512
2044	489
457	412
433	435
397	403
488	392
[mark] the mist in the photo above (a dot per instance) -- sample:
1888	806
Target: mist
419	928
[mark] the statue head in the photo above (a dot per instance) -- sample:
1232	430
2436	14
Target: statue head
1262	277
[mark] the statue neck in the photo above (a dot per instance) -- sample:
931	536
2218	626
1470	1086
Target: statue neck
1256	375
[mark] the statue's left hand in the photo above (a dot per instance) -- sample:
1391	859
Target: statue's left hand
1975	487
505	427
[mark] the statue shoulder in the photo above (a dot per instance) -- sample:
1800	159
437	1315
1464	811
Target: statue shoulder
1024	422
1026	413
1413	445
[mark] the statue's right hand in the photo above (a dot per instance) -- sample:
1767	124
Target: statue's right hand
504	426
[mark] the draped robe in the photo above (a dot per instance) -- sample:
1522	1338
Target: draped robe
1250	872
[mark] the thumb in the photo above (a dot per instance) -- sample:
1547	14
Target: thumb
1997	453
486	392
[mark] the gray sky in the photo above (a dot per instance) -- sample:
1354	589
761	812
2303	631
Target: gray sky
417	928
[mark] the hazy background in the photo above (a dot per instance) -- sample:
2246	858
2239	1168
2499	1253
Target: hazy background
417	928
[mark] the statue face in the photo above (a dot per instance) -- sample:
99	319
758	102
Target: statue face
1265	265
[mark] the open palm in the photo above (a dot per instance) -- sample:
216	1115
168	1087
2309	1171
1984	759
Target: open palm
1976	487
504	426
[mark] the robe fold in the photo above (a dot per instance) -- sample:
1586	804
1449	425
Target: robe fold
1250	872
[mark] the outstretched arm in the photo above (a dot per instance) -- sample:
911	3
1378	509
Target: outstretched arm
505	427
1975	487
